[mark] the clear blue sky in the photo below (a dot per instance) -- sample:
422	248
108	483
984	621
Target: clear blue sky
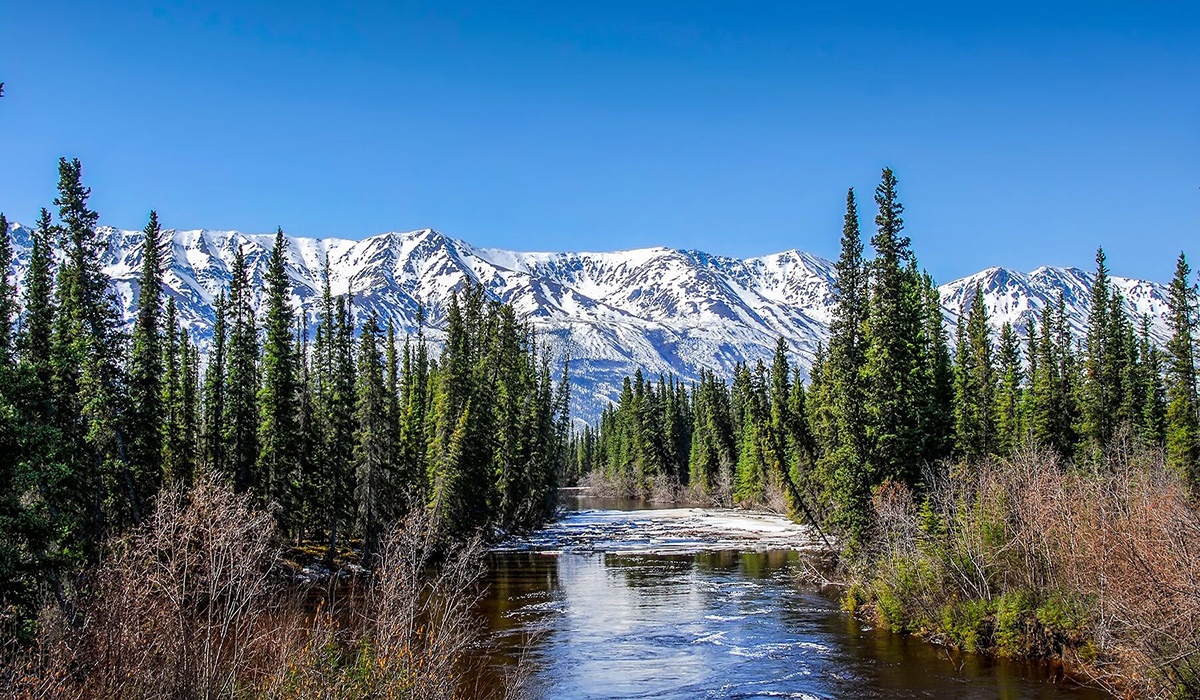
1022	133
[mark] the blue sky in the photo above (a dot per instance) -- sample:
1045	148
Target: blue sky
1022	134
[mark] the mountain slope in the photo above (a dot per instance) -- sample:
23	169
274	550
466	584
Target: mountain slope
660	309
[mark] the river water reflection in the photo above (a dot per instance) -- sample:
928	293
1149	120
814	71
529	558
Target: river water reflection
636	623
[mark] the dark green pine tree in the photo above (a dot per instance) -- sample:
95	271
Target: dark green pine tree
307	496
975	383
278	465
840	422
412	463
1154	403
212	428
189	413
333	383
87	373
8	297
173	452
935	397
1182	429
38	524
1131	369
1009	392
35	343
240	420
514	390
145	368
713	450
1100	392
373	446
18	562
1031	358
786	435
893	333
392	365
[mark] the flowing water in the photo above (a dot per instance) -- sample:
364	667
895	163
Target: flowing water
616	602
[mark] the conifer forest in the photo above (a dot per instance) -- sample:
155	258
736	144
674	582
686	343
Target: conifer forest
961	481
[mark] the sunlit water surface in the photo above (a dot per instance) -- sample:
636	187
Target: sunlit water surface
626	623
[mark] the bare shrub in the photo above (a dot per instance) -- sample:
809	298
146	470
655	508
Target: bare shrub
176	610
193	604
1098	564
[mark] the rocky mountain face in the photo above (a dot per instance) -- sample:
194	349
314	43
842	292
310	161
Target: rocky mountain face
663	310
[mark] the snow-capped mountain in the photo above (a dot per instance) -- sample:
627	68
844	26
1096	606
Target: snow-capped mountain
660	309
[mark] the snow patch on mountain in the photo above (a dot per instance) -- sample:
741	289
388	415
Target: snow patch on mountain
659	309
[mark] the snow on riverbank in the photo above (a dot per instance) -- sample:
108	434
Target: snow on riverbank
666	531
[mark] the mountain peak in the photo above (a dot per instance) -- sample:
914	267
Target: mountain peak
665	310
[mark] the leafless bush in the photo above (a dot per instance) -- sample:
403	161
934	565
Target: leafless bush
192	605
1118	541
176	610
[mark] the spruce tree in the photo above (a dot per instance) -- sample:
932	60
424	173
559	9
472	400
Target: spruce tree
170	401
975	383
1182	429
8	296
893	333
1009	394
240	420
372	448
844	384
40	478
1154	403
146	367
278	464
87	371
34	341
935	383
212	425
1101	388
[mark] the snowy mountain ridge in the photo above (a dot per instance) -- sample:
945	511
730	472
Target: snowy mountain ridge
660	309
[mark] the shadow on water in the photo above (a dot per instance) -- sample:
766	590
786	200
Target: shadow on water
723	624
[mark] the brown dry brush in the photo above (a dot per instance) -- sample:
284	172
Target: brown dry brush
194	604
1032	556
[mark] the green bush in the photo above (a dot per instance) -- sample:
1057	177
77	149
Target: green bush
968	624
1014	610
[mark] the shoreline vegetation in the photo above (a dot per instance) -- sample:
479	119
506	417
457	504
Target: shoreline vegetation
200	602
1027	493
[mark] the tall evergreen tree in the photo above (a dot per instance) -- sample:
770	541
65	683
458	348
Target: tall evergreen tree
240	420
975	383
8	296
1182	429
935	382
893	334
213	425
844	385
171	422
372	439
87	370
1009	393
1154	403
146	367
278	464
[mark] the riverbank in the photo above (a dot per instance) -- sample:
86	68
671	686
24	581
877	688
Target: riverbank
1097	568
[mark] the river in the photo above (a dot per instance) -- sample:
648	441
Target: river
615	600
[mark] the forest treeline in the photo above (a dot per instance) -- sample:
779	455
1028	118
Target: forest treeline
337	435
1027	496
892	391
